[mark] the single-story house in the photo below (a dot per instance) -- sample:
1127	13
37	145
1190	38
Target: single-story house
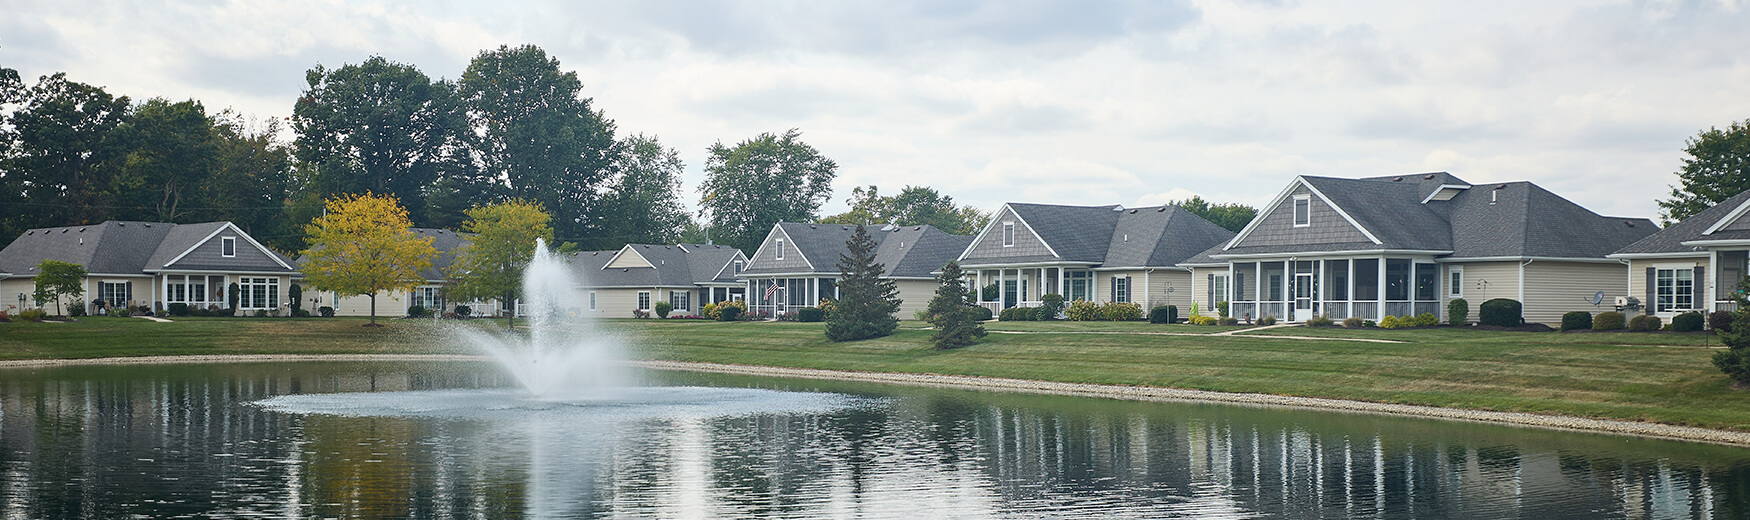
614	283
428	294
1409	244
797	264
152	264
1695	264
1092	253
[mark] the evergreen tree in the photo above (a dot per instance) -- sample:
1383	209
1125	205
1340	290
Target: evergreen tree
955	326
1735	361
866	301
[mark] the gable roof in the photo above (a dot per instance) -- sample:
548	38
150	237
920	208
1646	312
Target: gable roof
683	265
906	251
1109	236
1695	228
118	247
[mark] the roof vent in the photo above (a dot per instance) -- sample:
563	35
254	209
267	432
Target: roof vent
919	228
122	224
1500	186
625	270
811	226
31	232
63	230
1629	223
81	230
148	224
1429	177
1162	208
1397	179
1118	208
1133	212
844	228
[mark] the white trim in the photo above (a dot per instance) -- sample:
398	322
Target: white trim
1655	256
1317	254
294	274
622	251
1008	233
1443	187
209	237
1277	202
1455	290
1717	243
779	255
1297	199
228	241
732	259
1588	260
1728	219
994	223
777	229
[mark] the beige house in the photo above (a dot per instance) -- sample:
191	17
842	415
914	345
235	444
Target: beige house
797	264
614	283
151	264
1409	244
1694	265
1092	253
428	294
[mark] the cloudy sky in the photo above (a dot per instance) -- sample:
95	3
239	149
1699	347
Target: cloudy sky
1078	102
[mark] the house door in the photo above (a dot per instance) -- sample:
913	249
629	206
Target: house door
1303	296
1010	293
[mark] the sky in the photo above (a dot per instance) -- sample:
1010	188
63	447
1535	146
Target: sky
1076	102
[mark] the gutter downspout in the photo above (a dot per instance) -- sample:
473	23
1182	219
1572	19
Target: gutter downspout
1527	262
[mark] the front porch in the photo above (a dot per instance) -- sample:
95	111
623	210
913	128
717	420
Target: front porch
1027	286
772	297
1298	290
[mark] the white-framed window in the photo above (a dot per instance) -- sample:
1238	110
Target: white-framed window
1674	289
643	300
1302	210
739	265
430	297
258	293
780	248
1008	234
176	289
1218	290
228	247
680	300
592	300
1455	281
1121	289
116	293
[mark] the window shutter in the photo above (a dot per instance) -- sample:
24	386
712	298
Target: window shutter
1652	290
1701	298
1211	286
130	293
1114	290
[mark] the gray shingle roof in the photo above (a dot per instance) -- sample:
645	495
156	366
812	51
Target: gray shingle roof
1671	239
905	251
682	265
113	247
1106	236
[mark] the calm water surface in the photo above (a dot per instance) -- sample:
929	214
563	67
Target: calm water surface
448	440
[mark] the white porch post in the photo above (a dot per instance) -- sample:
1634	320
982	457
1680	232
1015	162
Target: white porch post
1350	290
1713	278
1380	312
1061	284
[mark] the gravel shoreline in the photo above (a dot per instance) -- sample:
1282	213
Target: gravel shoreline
1129	393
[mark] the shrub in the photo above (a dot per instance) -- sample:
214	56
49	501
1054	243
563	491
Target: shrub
981	313
1352	322
1321	320
709	311
1202	320
1018	314
1687	322
640	314
1427	319
301	313
177	309
662	309
1114	311
1229	320
1221	308
1457	311
810	315
732	310
418	311
1580	320
1639	323
33	314
76	309
1720	321
121	312
1607	321
1050	307
1501	312
261	313
827	306
1267	320
1368	324
787	316
5	317
1391	322
463	311
296	294
328	312
1163	314
991	293
1083	310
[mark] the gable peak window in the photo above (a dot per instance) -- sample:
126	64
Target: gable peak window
738	265
1008	234
1302	210
780	249
228	247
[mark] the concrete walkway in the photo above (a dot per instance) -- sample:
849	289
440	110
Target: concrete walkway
153	318
1238	333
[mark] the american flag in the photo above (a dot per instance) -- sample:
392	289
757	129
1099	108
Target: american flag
771	289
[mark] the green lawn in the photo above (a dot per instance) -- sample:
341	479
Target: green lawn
1653	377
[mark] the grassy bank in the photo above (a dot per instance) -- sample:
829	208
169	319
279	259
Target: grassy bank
1664	378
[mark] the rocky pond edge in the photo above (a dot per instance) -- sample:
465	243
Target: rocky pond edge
1121	392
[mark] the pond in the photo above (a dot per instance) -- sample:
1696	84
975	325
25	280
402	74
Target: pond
426	440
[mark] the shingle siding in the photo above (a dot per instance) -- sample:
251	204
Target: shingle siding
210	256
1326	225
767	258
991	246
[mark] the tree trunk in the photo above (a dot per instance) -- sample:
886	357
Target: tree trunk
373	322
510	319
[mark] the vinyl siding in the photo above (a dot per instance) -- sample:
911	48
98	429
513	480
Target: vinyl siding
1327	226
1553	288
1158	283
914	296
766	258
1637	280
991	246
1199	280
1483	281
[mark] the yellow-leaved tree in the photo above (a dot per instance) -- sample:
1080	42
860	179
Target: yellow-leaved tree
365	244
490	265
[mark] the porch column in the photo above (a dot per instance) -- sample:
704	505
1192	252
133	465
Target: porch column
1380	313
1713	265
1350	290
1061	284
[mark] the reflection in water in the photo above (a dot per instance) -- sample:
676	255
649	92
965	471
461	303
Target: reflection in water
183	441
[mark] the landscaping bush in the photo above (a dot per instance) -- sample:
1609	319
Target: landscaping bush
1501	312
1083	310
1580	320
1321	320
1115	311
732	310
1163	314
76	309
1607	321
662	309
177	309
121	312
1368	324
1457	311
261	313
981	313
991	293
1267	320
301	313
1221	309
1720	321
1229	321
827	306
1687	322
418	311
810	315
640	314
1050	306
709	311
1352	322
1643	323
4	317
1018	314
1202	320
33	314
787	316
1392	322
463	311
296	294
1427	319
328	312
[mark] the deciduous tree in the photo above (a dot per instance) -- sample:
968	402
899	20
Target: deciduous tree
55	279
491	263
866	300
645	198
949	313
1717	167
760	182
1232	216
170	150
914	205
56	151
365	245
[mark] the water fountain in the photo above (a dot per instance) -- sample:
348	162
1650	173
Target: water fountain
564	350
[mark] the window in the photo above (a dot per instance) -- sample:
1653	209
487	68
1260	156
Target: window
176	289
1367	279
427	297
1302	210
1008	234
592	300
679	300
116	293
197	289
1675	290
1455	281
1397	280
1336	280
258	293
228	247
1427	282
1121	289
1080	283
1217	289
644	300
738	265
780	248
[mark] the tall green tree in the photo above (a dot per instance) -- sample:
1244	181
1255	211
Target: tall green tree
365	245
381	127
56	151
645	197
866	300
251	182
913	205
1717	167
491	264
537	139
1232	216
170	150
56	279
949	314
760	182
